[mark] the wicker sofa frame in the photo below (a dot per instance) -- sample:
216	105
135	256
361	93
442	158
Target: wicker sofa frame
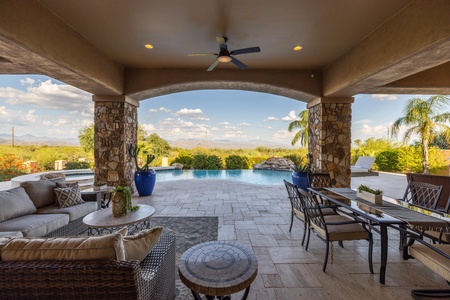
153	278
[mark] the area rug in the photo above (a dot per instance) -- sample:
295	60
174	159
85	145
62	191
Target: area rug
188	231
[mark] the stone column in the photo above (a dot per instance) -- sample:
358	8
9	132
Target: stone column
329	137
115	127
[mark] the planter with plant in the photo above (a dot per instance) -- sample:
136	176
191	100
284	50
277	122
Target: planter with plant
99	185
144	177
366	193
121	201
300	172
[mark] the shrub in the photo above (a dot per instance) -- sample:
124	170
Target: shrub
294	158
185	160
75	165
214	162
10	167
200	162
388	160
235	162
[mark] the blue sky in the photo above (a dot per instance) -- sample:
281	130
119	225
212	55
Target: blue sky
43	106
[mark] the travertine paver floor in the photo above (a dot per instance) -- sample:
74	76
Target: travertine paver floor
259	216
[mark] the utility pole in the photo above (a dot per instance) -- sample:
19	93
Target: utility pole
12	136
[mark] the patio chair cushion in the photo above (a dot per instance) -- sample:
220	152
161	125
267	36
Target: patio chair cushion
433	260
68	196
75	212
138	246
15	203
35	225
352	231
41	191
107	247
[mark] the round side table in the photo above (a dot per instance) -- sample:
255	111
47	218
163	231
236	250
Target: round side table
218	268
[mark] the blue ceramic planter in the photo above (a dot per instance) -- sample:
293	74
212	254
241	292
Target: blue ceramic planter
300	180
145	182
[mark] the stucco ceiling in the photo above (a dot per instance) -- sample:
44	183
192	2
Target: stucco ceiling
349	46
326	29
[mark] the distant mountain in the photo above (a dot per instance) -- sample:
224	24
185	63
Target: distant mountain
225	144
28	139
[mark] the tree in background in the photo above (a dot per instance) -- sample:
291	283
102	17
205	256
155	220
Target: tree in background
442	141
86	138
422	117
302	125
157	145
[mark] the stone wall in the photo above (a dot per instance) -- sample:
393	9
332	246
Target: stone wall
329	137
115	127
275	163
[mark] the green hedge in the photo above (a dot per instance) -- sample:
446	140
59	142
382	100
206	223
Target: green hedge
234	162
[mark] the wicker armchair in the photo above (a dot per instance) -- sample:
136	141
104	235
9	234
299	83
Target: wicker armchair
153	278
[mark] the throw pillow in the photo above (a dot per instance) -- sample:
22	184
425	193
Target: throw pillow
41	191
15	203
106	247
138	246
68	196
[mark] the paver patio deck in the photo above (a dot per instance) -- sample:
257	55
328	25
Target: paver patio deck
259	216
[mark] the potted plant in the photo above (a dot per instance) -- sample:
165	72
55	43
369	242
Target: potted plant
121	201
300	172
99	185
144	177
366	193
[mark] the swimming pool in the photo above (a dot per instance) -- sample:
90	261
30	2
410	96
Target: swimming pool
263	177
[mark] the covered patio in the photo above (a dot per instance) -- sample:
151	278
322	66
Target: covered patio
259	216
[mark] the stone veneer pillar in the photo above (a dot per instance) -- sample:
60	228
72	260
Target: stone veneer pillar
115	127
329	137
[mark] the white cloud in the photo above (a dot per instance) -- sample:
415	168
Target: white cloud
271	119
384	97
148	127
189	112
283	135
290	117
27	81
244	124
224	123
201	118
30	116
163	109
362	121
49	95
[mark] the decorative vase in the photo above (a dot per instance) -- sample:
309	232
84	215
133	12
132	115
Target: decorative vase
119	204
300	180
145	182
377	199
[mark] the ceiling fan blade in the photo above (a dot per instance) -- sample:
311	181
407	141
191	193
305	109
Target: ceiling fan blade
238	63
214	64
245	50
202	54
222	41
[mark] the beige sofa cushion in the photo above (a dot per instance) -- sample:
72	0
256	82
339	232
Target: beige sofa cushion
41	191
74	212
35	225
138	246
433	260
107	247
15	203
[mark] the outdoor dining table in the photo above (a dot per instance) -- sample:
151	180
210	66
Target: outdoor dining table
391	213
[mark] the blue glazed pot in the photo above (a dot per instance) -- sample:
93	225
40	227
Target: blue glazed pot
300	180
145	182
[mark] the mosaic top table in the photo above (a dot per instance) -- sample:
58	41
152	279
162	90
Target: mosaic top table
103	222
218	268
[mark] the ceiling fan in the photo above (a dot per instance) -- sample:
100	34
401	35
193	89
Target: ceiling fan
227	56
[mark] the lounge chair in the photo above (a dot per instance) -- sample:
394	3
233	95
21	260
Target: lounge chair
363	166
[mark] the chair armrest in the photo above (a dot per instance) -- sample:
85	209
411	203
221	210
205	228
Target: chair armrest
92	196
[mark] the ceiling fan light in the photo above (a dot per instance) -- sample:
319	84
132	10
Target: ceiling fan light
224	58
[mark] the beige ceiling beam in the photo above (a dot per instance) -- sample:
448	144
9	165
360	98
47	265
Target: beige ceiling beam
303	85
415	40
36	41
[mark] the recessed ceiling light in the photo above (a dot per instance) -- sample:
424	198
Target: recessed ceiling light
148	46
298	48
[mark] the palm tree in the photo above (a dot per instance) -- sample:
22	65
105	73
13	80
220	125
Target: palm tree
302	124
423	117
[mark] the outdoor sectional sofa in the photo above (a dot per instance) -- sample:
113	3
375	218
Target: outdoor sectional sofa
151	278
32	210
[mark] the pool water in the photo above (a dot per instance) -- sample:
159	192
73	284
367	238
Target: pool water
263	177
